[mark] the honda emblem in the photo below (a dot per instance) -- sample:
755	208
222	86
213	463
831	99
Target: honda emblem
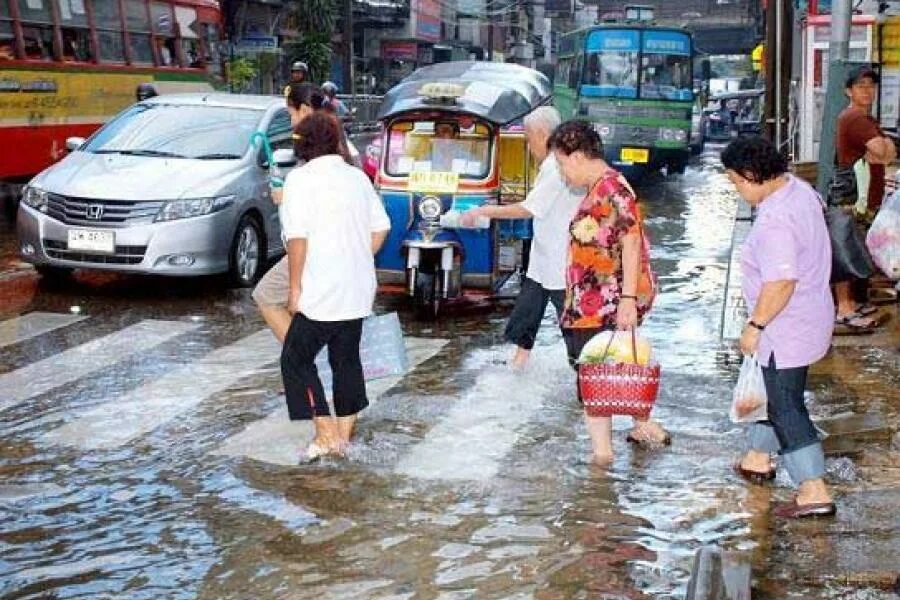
94	212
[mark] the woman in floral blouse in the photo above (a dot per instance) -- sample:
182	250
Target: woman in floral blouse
606	286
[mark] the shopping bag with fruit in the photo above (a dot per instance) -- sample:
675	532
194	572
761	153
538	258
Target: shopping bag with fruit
749	401
617	375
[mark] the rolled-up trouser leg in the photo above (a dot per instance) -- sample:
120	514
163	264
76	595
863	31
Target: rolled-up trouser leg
762	438
800	445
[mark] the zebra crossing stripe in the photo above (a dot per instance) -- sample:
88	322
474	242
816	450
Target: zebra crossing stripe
276	439
472	439
73	364
145	408
19	329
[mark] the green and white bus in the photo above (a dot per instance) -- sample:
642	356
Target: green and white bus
635	82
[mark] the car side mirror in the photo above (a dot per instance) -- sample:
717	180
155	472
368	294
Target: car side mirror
705	69
74	143
285	158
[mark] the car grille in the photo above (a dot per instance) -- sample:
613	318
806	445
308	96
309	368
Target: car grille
109	213
124	255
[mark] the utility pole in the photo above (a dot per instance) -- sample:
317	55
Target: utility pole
490	45
347	47
835	100
779	48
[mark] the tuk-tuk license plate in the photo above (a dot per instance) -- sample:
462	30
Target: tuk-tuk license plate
436	182
92	240
634	155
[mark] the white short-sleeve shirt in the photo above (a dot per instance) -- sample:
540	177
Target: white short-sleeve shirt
553	205
335	208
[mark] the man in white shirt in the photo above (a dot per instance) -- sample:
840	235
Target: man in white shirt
552	205
333	222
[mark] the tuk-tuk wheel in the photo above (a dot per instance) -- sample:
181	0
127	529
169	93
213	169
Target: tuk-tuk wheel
425	298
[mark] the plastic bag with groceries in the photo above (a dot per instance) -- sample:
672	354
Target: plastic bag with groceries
883	239
749	400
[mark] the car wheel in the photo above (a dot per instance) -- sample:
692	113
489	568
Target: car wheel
247	250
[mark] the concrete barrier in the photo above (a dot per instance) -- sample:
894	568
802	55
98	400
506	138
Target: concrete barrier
719	575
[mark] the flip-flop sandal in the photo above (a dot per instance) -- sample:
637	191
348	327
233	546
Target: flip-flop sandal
854	324
648	442
864	310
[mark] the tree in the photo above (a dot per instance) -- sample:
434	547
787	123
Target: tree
316	21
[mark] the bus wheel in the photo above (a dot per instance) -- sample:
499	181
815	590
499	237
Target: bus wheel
677	167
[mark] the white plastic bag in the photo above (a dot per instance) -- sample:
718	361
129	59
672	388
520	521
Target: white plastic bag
749	401
883	239
381	350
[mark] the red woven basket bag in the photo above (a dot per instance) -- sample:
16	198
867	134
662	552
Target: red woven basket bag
618	389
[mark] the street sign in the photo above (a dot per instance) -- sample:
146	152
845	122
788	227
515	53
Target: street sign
258	42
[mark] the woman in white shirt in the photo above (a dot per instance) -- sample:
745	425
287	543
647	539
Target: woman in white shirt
333	222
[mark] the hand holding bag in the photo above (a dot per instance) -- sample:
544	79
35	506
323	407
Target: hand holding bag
749	401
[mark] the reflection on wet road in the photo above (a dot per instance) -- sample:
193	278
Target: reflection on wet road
143	445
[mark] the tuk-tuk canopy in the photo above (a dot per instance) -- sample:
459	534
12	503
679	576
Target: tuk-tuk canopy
497	92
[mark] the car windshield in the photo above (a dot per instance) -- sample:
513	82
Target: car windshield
178	131
439	146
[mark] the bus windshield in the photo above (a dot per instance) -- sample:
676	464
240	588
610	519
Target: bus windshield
633	63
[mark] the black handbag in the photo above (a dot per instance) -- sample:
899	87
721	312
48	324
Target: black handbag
849	255
842	189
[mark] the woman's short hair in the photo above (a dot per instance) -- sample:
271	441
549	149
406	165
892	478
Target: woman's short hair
300	93
754	158
575	136
319	134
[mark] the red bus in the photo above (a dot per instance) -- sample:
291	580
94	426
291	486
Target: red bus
67	66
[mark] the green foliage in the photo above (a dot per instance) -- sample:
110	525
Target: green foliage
240	72
316	21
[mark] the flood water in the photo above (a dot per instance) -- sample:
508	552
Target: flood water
467	480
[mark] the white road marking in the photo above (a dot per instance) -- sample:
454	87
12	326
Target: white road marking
19	329
145	408
276	439
73	364
472	439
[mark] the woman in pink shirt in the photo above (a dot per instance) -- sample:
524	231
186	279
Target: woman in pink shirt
786	266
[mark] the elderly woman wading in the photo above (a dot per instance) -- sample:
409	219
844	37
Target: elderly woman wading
786	264
606	288
334	223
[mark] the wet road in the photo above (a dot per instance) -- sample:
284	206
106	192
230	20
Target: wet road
141	458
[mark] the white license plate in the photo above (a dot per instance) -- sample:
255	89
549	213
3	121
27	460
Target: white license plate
92	240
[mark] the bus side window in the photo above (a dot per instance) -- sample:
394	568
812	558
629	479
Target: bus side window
138	23
164	27
7	37
37	29
109	30
76	34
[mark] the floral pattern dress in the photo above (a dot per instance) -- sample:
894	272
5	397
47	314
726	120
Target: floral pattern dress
594	274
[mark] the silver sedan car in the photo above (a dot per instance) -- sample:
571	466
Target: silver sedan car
174	185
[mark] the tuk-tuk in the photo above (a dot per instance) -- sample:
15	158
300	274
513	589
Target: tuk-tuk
732	114
452	140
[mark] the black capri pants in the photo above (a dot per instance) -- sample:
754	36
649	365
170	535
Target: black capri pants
303	388
525	319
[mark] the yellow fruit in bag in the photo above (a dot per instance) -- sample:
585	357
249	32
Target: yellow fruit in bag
615	347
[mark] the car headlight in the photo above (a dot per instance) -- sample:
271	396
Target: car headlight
667	134
192	207
680	135
605	131
34	197
430	208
